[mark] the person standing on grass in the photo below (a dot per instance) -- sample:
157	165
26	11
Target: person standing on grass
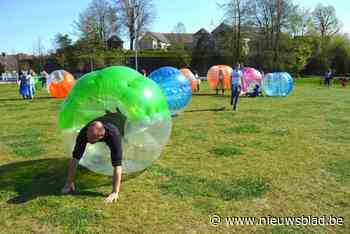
220	84
23	85
109	129
328	78
236	85
44	78
198	80
344	80
31	84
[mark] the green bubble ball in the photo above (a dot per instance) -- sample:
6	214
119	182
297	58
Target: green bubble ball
148	124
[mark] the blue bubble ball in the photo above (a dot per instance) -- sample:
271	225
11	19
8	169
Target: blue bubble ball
278	84
175	86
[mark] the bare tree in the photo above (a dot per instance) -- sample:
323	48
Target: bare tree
39	51
177	37
272	17
237	13
180	28
325	20
98	22
136	16
300	21
283	10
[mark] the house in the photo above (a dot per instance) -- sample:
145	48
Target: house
8	62
181	39
201	39
153	40
114	42
156	40
221	35
218	39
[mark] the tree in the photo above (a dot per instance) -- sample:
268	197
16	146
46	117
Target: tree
94	27
283	9
2	68
177	38
300	22
97	23
338	53
61	59
326	25
136	16
325	20
62	41
237	13
180	28
300	54
63	53
39	51
272	18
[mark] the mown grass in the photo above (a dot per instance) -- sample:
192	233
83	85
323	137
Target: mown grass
274	157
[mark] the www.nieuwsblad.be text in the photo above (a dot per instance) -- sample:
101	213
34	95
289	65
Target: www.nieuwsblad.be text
324	220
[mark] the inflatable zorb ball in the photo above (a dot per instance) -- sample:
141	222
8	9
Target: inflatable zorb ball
213	76
60	83
251	78
175	87
277	84
191	78
148	123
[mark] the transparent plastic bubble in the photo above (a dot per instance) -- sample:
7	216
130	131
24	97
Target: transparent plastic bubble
214	77
251	78
278	84
142	145
175	87
148	124
191	78
60	83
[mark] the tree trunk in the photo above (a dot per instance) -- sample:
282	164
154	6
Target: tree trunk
239	33
131	43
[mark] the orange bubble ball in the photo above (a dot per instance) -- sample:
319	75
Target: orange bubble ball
213	76
60	83
191	78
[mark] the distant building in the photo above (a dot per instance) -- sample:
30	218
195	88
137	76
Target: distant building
218	38
221	36
153	40
114	42
180	39
8	62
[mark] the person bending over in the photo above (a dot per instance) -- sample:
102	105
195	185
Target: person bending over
108	129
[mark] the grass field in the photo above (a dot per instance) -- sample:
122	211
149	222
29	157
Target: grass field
275	156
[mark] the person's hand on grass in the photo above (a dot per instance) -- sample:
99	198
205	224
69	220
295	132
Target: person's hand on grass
68	188
113	197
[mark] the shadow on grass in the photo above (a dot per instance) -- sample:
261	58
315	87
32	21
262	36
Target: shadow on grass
203	110
45	177
210	95
21	99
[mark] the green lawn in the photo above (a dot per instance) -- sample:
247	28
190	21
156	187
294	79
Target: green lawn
275	156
